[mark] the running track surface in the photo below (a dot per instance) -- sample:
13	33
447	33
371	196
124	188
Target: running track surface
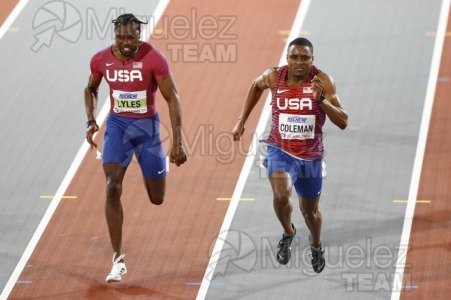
167	247
429	258
7	7
72	257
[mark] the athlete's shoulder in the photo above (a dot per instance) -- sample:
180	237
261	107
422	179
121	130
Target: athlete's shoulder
271	75
156	61
98	61
146	47
101	55
272	72
152	54
315	71
276	70
325	77
149	49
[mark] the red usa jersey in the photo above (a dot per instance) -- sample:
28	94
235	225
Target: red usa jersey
133	83
297	120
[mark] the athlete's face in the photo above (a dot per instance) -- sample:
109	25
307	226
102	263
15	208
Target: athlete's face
127	39
300	60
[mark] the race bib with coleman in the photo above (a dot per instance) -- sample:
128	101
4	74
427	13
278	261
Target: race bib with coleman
135	102
296	127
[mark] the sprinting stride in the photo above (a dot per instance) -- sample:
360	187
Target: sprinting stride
302	97
134	70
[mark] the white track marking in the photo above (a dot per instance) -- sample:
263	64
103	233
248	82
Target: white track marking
162	4
12	17
264	118
425	120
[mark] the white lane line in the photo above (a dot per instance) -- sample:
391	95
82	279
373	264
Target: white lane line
162	4
12	17
264	118
418	164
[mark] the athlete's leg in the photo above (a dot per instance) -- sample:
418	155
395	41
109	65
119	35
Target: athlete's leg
114	173
282	187
313	218
279	165
156	189
151	157
308	187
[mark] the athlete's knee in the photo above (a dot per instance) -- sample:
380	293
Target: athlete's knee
155	197
282	197
114	173
113	189
281	186
156	189
157	200
310	215
281	194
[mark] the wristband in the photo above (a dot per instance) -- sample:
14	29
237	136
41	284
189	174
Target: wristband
90	123
320	100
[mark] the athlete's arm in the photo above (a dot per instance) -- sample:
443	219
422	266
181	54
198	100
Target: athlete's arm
90	106
169	92
323	83
263	82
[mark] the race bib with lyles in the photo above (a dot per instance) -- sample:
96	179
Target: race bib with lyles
296	127
135	102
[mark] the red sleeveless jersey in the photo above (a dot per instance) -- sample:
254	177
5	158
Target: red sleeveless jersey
132	84
297	119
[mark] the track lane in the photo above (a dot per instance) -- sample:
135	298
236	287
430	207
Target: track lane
7	7
428	261
166	247
97	289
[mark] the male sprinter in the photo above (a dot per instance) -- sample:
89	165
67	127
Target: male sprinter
302	96
133	70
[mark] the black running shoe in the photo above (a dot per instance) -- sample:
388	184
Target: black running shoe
284	254
317	256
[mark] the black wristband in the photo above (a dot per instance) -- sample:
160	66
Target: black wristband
320	100
90	123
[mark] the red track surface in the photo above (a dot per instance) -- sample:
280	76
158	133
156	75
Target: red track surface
168	246
7	6
429	257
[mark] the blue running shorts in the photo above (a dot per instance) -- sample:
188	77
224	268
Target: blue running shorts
125	136
307	175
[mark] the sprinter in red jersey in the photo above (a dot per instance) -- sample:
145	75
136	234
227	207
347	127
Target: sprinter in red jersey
302	97
134	70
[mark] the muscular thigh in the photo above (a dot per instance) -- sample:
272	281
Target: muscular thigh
284	169
148	148
309	179
116	149
279	166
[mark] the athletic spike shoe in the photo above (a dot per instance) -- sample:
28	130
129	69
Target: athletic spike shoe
118	269
284	254
317	258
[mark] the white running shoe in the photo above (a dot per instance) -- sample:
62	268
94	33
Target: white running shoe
118	269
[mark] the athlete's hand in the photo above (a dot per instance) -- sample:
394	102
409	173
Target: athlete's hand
90	135
177	155
238	131
317	87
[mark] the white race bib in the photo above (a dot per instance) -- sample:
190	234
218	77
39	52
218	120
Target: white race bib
135	102
297	127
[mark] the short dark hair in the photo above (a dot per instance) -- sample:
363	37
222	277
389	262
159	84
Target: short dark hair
126	19
300	42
